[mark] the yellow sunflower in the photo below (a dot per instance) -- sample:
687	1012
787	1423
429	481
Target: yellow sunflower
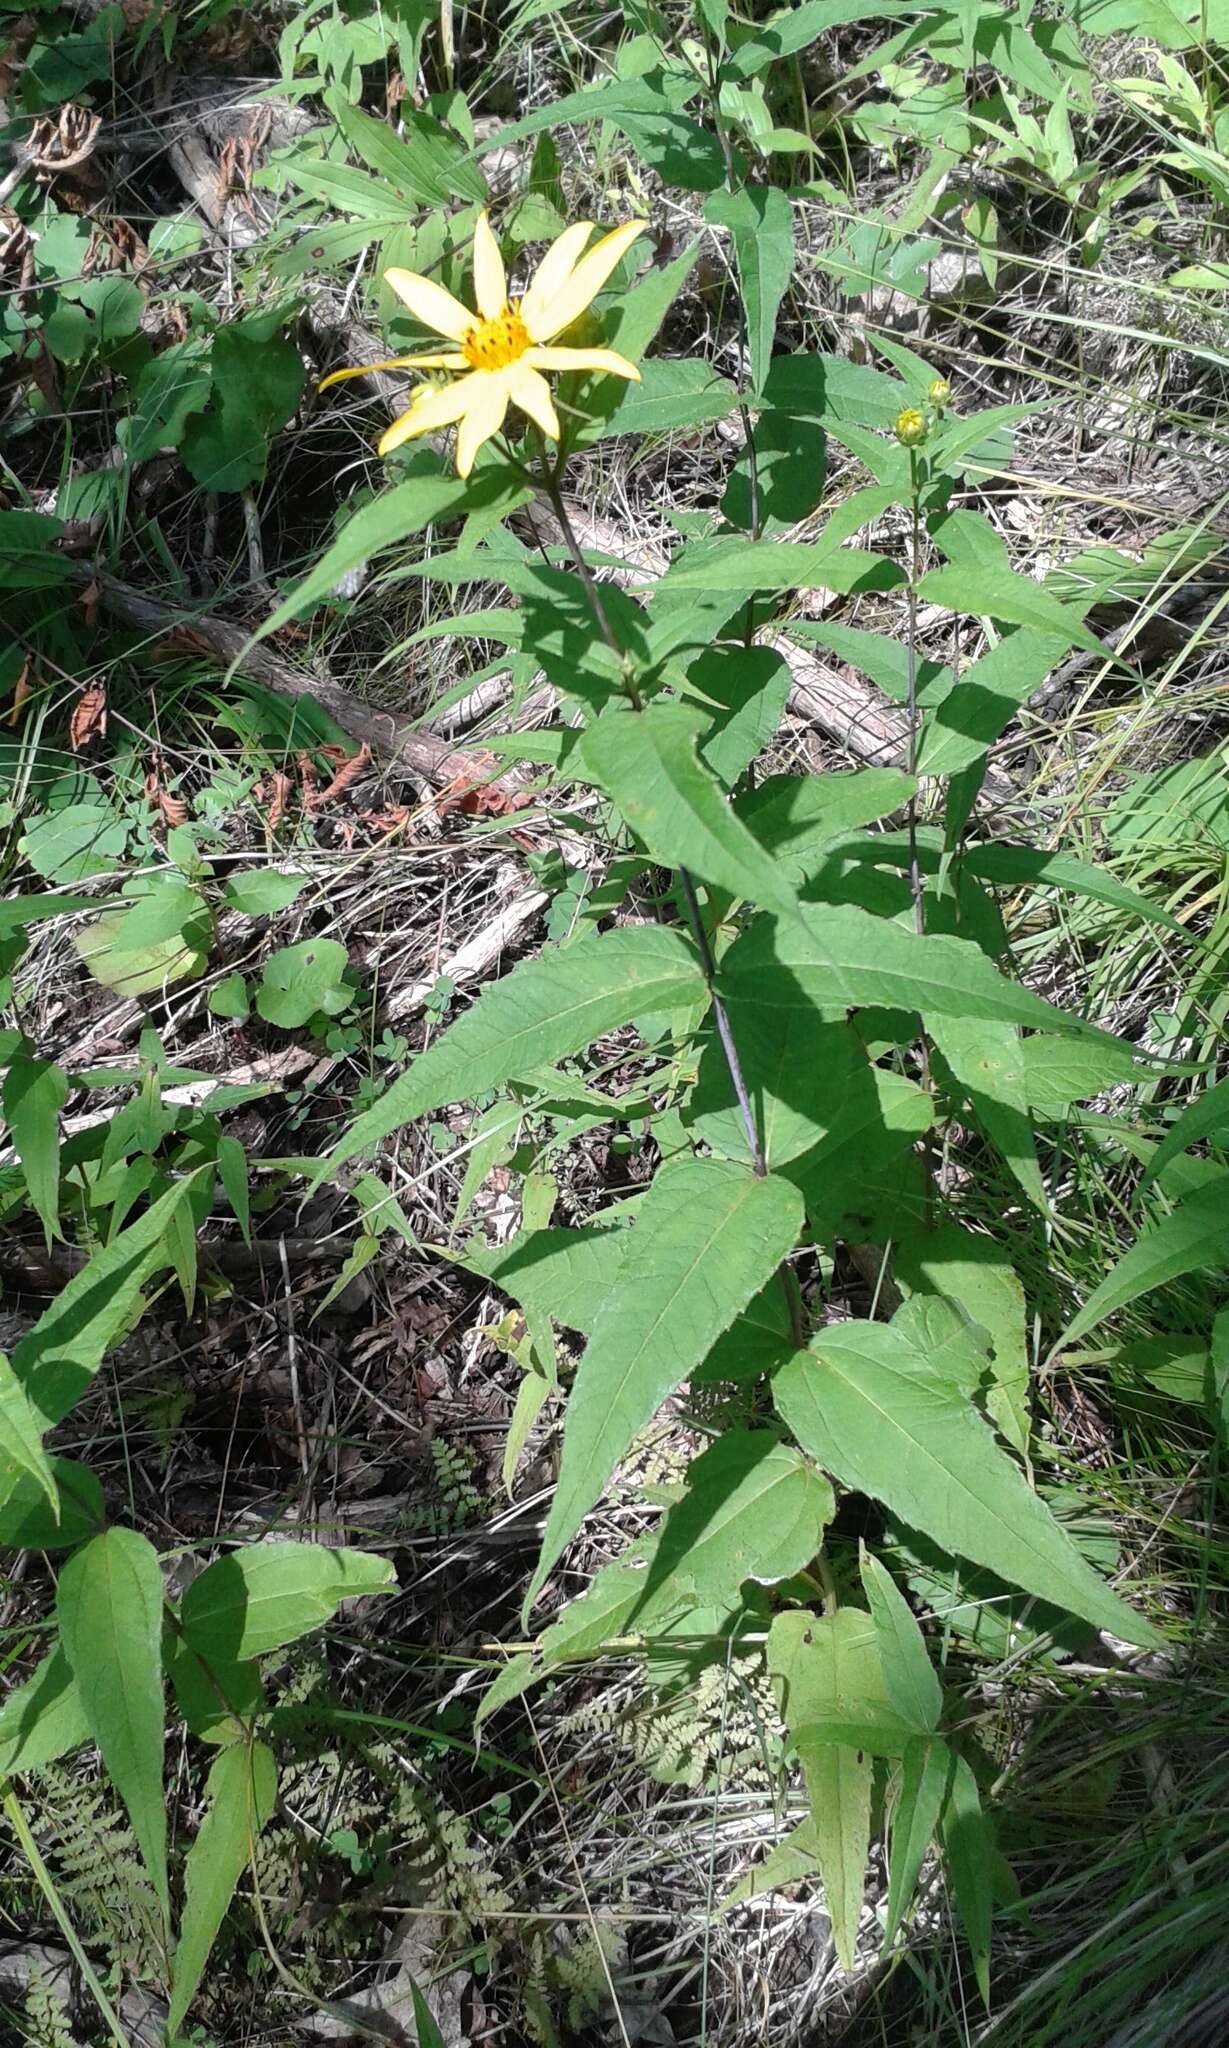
504	347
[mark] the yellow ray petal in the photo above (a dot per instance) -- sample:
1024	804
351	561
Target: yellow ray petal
483	416
428	362
581	359
432	409
532	393
490	283
586	281
554	270
430	303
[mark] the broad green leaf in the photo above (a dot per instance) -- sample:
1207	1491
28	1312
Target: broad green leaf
1014	599
254	1600
298	980
925	1772
742	693
977	1273
968	1850
217	1698
984	699
838	956
1203	1118
707	1236
256	381
43	1719
672	392
833	391
826	1666
109	1607
909	1677
793	28
544	1011
56	1360
728	562
259	892
790	1862
647	761
21	1436
137	970
987	1060
423	164
754	1509
761	221
1060	1071
28	1522
795	817
866	1408
799	1070
1193	1235
35	1092
241	1792
830	1677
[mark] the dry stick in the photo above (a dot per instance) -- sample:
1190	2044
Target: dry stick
724	1032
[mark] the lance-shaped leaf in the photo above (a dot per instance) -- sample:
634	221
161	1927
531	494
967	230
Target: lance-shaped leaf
1195	1234
968	1848
109	1607
542	1012
241	1790
42	1719
869	1411
987	1061
257	1599
707	1237
1206	1116
648	763
760	219
35	1092
909	1677
837	956
21	1437
1000	593
925	1772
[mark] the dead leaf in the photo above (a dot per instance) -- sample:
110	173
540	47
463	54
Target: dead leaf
89	718
21	690
173	808
351	768
88	601
63	143
389	819
277	804
308	779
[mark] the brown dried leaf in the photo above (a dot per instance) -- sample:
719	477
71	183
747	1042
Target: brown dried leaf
277	804
308	779
21	690
173	808
89	719
65	142
352	767
389	819
88	601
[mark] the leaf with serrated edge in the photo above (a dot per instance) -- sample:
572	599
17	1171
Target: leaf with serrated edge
544	1011
707	1236
760	219
908	1674
1195	1234
674	804
241	1790
109	1607
264	1596
864	1406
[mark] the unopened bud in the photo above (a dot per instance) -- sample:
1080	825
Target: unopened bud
939	392
911	427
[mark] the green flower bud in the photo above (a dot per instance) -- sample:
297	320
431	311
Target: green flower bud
911	428
939	392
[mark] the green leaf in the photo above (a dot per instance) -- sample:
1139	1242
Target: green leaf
925	1772
742	692
987	1060
1060	1071
21	1436
761	221
35	1092
56	1360
80	840
424	164
1193	1235
109	1607
301	979
754	1509
968	1849
43	1719
791	1861
1202	1118
865	1407
217	1699
137	970
799	1071
544	1011
241	1792
27	1522
260	892
647	761
256	382
254	1600
795	817
1016	600
672	392
793	28
826	1668
726	561
909	1677
405	510
170	388
977	1274
707	1236
985	698
838	956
